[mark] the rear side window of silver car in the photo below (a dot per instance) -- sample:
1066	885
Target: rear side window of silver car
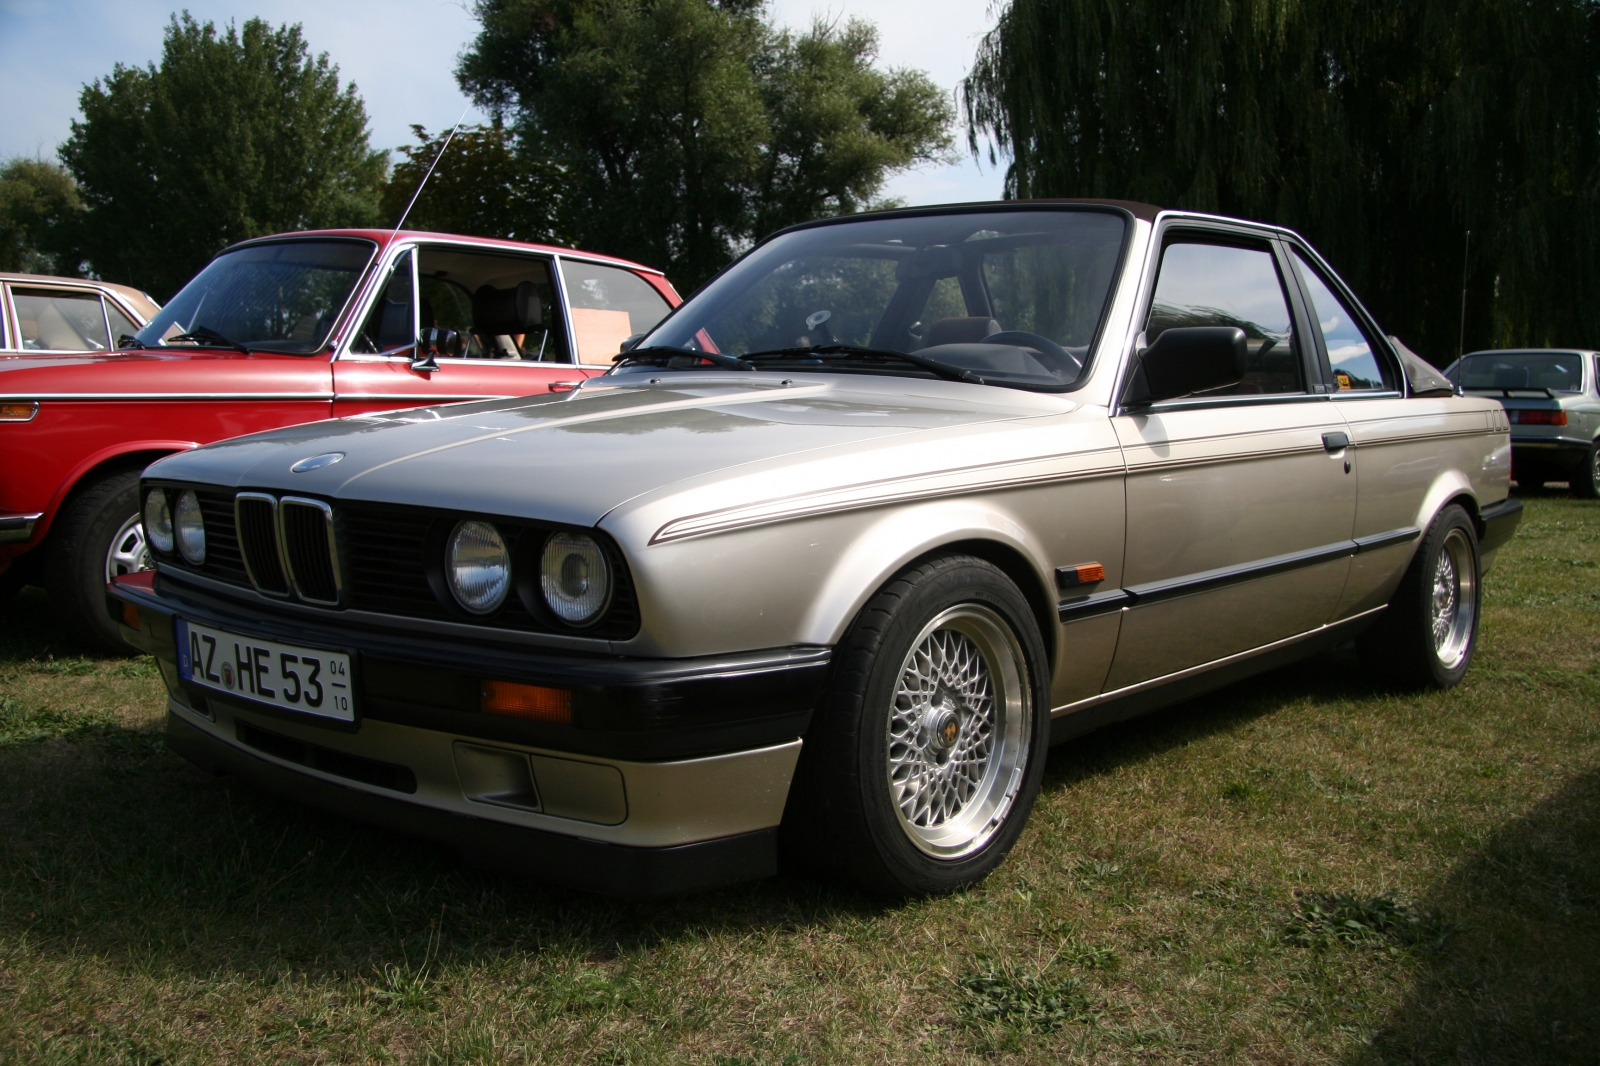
1355	367
1225	285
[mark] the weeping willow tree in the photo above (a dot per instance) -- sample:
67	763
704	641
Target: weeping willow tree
1384	130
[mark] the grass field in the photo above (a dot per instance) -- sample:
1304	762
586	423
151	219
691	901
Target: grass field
1298	869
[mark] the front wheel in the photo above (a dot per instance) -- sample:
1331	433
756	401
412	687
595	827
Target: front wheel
1426	637
98	536
926	756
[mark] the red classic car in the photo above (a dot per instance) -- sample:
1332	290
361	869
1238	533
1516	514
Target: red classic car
277	331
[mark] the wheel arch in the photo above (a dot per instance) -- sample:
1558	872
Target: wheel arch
134	455
906	537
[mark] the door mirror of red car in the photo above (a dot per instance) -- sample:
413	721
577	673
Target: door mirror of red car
434	342
1186	360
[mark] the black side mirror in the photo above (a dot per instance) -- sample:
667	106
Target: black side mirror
434	342
629	344
1186	360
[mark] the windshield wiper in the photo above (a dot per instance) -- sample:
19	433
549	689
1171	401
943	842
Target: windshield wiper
933	366
662	355
207	335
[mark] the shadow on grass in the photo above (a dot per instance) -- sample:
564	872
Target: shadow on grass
1519	979
29	631
1335	676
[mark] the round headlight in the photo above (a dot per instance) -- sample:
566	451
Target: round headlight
190	528
478	566
575	578
158	520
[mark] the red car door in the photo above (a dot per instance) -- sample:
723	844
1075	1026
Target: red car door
511	332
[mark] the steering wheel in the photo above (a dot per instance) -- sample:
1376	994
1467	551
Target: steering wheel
1063	361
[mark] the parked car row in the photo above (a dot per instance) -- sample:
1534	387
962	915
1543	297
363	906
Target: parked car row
817	570
1552	398
273	332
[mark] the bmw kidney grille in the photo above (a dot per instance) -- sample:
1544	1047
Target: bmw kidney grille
289	543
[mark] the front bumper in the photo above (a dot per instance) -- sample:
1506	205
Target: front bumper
672	776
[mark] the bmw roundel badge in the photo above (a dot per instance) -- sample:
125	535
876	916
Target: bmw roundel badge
316	462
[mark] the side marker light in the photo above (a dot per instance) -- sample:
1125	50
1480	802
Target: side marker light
18	412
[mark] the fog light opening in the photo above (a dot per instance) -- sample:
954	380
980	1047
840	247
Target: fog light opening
533	702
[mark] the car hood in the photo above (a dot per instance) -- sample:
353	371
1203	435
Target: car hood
574	457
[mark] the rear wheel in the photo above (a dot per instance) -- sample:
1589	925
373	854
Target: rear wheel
1428	634
97	537
1585	480
930	742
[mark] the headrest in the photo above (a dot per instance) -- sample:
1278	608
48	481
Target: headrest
505	312
961	330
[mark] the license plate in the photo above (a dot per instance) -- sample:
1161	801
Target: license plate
309	680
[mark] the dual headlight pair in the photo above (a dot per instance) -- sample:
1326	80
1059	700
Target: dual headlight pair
182	526
574	575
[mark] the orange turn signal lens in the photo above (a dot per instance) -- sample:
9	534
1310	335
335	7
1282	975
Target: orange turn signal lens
18	412
130	615
534	702
1084	574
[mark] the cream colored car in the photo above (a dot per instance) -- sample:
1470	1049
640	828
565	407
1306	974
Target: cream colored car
825	565
42	314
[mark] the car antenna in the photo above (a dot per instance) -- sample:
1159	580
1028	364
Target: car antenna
429	174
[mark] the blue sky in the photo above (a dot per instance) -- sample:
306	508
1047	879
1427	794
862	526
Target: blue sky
401	53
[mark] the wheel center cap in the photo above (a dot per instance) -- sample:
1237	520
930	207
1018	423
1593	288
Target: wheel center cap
944	729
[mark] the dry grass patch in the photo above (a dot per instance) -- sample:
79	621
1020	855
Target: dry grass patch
1297	869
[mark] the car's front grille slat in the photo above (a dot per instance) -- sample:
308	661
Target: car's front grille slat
308	548
256	514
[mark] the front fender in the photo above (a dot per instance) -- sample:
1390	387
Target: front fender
894	539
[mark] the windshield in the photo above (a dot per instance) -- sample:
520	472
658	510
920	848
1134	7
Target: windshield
281	297
1002	297
1556	371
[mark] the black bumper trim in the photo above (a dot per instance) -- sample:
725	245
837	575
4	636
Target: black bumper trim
636	709
589	865
1499	523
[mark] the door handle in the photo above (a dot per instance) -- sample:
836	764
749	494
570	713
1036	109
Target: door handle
564	386
1335	442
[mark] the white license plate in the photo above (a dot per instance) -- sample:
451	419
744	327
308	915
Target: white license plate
309	680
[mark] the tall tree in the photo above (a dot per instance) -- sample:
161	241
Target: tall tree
1383	131
685	129
482	186
234	135
39	204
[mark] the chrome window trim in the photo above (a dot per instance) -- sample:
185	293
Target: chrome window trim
368	294
277	540
333	547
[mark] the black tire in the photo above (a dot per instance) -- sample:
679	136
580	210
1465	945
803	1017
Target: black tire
847	812
1427	636
1585	479
80	545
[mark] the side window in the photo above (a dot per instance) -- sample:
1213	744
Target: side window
504	305
59	321
608	305
389	323
1225	285
1356	368
121	324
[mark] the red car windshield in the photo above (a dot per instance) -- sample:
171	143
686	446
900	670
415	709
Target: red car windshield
283	296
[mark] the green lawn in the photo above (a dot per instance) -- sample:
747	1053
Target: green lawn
1297	869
